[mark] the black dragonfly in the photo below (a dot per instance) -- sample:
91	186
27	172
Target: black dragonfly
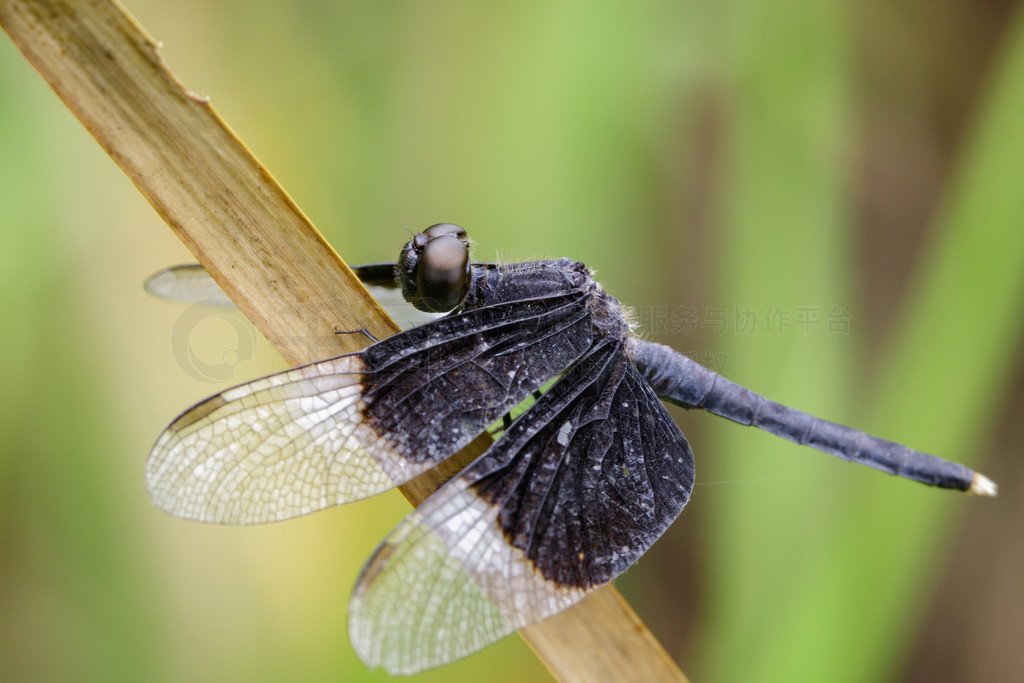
573	492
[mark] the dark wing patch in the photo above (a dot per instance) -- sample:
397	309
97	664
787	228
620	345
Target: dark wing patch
350	427
433	389
587	492
571	495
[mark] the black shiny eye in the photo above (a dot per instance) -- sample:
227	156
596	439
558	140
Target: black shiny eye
433	268
445	229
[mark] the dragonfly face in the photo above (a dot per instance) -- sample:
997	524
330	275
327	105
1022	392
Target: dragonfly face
573	492
433	268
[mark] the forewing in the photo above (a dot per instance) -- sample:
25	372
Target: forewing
192	284
350	427
571	495
188	284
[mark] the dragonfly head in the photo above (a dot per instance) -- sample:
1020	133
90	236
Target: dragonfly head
433	268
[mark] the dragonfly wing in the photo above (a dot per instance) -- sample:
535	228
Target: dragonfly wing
192	284
187	284
350	427
572	494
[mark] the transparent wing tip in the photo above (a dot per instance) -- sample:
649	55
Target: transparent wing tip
982	485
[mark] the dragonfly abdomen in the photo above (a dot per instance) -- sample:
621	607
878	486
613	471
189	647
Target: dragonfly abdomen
685	382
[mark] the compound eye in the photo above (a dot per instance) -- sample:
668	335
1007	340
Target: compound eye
443	229
442	276
433	268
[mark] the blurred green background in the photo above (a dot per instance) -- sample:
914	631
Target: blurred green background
823	200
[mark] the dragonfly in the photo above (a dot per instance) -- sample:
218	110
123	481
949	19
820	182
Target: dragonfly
577	486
